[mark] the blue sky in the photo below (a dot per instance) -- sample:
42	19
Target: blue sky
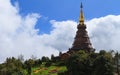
66	10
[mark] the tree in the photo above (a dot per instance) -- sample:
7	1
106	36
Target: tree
11	66
38	62
45	59
52	57
21	58
116	62
103	64
82	63
72	64
48	64
28	64
78	64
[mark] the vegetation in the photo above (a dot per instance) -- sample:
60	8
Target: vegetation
43	66
80	63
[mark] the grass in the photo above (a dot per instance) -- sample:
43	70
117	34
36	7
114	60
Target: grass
52	70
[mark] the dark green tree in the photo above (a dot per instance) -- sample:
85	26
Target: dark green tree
45	59
79	64
11	66
103	64
28	65
38	62
82	63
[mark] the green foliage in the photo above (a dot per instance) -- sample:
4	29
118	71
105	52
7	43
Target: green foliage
52	57
12	66
45	59
80	63
48	64
83	63
60	63
38	62
102	66
28	65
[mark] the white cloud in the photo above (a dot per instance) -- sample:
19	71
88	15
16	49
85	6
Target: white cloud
105	32
19	36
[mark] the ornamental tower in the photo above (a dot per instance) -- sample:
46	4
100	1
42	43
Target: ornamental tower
81	40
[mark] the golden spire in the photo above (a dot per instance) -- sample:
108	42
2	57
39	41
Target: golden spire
81	18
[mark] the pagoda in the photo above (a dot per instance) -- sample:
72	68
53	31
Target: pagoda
81	40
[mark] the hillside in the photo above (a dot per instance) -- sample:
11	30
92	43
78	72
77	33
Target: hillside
51	70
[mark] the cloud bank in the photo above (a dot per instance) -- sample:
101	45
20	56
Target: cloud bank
19	36
105	32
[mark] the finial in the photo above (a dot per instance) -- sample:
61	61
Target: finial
81	19
81	5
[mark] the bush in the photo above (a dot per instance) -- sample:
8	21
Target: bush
48	64
60	63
